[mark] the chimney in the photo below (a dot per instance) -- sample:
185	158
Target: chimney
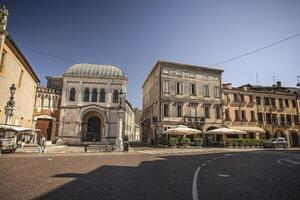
278	83
227	86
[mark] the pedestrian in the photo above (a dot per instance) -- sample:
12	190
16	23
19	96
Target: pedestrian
42	145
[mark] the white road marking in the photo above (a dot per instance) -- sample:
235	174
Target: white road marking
203	164
223	175
194	190
49	158
208	161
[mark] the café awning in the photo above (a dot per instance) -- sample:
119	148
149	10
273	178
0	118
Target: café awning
248	128
182	130
224	130
17	128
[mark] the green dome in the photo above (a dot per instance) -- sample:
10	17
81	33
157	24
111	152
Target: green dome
94	70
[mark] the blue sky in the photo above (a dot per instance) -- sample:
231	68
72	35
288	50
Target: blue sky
133	34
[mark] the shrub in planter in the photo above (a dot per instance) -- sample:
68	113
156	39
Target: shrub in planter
173	141
241	142
185	141
198	141
163	141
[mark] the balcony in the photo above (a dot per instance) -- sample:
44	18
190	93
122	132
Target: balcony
189	119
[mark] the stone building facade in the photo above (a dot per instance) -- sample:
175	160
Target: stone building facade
131	128
263	112
47	112
15	69
90	102
175	94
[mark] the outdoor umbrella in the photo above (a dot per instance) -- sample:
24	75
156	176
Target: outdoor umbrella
224	131
182	130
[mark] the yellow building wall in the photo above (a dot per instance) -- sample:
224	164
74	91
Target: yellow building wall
25	92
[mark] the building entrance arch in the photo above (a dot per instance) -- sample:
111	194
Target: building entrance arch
93	126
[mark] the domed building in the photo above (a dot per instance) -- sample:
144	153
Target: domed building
91	98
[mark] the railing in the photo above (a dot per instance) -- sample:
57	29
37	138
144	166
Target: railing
194	119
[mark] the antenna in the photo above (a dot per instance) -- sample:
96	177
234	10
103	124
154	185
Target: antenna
273	79
298	84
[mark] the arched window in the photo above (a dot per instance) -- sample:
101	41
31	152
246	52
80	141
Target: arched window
94	95
116	96
72	94
102	95
86	97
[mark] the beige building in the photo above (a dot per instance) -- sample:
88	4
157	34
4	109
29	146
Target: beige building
90	104
175	94
132	130
15	69
263	112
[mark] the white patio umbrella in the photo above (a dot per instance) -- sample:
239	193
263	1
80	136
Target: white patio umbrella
224	131
182	130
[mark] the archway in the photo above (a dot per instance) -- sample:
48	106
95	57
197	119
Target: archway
92	127
279	133
93	132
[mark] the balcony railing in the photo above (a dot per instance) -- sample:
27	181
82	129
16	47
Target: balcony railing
194	119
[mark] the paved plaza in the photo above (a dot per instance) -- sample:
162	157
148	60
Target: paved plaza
150	173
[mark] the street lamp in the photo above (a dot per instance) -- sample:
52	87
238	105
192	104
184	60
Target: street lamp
10	105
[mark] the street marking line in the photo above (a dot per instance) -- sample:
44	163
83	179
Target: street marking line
224	175
292	162
203	164
208	161
194	191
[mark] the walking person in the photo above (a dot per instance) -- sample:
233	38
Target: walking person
42	145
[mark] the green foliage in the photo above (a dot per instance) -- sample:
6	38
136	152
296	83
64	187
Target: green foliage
173	141
198	141
163	141
244	142
185	141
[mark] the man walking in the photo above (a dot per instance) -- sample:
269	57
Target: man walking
42	145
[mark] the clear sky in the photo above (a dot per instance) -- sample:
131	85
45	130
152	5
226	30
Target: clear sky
133	34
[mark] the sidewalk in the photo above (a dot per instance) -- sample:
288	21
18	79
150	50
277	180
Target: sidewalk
53	148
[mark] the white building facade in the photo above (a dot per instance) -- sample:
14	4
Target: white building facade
91	98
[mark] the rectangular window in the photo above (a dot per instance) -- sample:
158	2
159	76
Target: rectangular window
243	115
165	86
218	113
250	98
235	97
166	110
193	111
206	111
282	120
296	120
280	103
260	118
178	88
294	103
258	102
242	98
274	119
289	119
179	110
286	103
193	89
20	78
237	116
267	101
252	113
206	91
227	115
273	102
217	92
268	118
2	61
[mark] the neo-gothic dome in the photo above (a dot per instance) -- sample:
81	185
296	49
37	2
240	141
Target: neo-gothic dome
94	70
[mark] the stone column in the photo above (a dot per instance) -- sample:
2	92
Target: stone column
120	129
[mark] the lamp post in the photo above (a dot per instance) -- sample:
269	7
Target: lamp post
120	121
10	106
